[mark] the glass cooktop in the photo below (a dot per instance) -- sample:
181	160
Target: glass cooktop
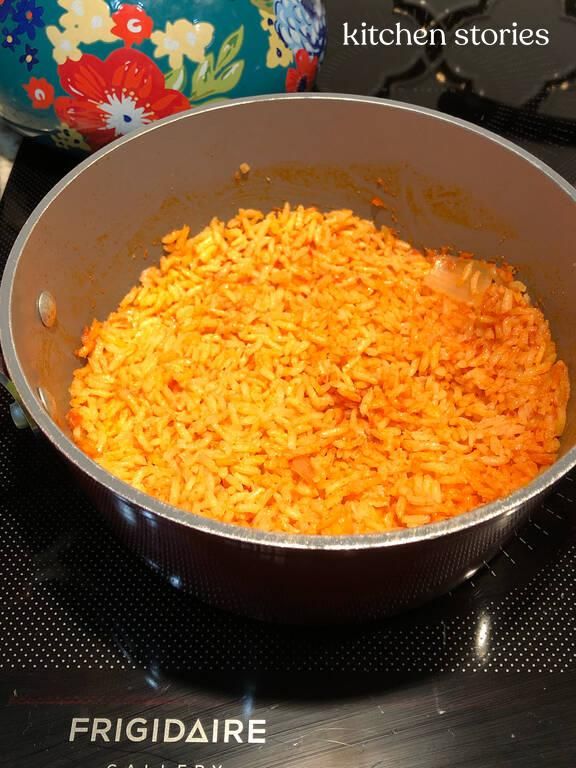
104	664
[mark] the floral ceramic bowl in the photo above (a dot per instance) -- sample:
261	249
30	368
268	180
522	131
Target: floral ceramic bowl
87	71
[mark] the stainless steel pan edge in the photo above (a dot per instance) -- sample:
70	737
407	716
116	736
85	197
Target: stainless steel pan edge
439	555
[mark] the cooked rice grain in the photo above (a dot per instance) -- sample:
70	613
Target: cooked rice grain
292	372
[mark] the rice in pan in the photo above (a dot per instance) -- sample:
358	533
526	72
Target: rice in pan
307	372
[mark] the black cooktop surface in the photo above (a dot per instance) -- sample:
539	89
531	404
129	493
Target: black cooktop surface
103	664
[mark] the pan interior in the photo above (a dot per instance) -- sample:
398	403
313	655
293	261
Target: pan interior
443	185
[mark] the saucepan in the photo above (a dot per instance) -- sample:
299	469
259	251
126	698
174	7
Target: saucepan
441	182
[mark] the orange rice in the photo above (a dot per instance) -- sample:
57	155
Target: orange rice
294	372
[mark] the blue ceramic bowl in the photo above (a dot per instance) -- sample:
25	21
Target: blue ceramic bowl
87	71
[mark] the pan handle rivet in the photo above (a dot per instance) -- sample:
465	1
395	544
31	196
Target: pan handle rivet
47	401
47	308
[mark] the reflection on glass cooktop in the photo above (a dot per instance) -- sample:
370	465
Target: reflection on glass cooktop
105	664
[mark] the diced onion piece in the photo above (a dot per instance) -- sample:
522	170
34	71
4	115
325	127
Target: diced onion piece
302	466
462	279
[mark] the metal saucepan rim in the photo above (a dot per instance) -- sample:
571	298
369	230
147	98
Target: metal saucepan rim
125	492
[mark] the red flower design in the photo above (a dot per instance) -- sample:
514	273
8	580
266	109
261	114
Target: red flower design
112	97
40	91
302	77
132	24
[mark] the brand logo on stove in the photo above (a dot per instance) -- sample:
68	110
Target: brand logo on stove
168	730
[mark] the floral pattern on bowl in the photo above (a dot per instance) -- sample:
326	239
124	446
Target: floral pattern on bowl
85	72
